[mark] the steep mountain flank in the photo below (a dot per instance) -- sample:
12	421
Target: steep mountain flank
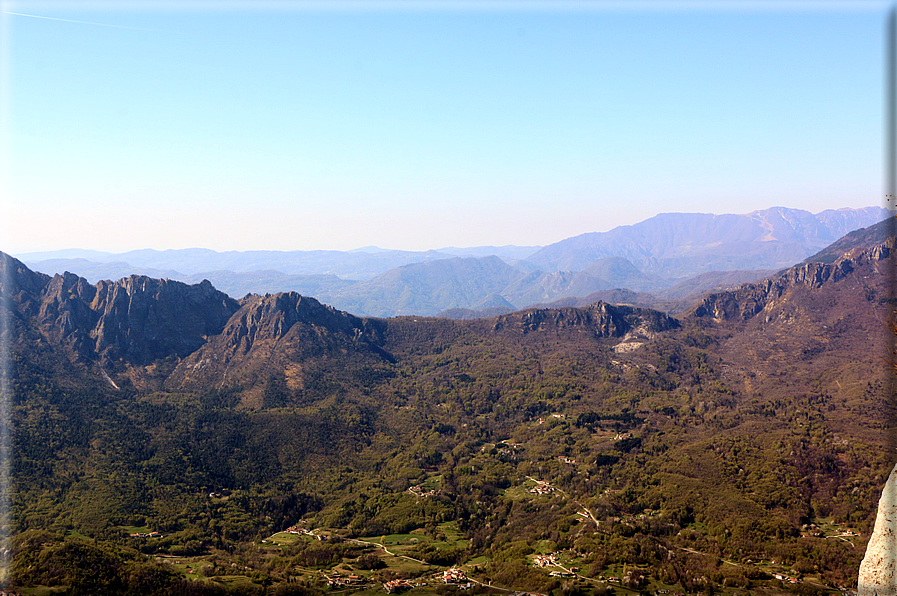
861	238
143	319
21	286
266	342
750	299
133	321
783	334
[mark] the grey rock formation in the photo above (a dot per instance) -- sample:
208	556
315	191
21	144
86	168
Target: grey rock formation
136	319
748	300
878	571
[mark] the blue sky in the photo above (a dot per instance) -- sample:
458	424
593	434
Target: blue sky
422	125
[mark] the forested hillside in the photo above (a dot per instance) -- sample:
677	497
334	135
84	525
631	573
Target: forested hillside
740	448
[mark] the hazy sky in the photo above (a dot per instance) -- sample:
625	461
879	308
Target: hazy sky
419	125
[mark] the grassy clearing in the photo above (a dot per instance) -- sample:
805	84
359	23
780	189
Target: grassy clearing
399	563
233	581
286	539
451	531
396	539
432	482
520	492
42	590
187	566
545	547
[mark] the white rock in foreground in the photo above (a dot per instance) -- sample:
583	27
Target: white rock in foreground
878	571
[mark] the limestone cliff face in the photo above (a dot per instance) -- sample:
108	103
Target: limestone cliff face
135	320
600	318
878	571
144	319
748	300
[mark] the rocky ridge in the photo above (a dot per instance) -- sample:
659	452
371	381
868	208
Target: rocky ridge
602	319
748	300
136	319
275	333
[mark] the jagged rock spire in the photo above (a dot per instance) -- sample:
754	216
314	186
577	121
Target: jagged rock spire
878	571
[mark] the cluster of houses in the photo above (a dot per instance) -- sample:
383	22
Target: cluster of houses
566	460
153	534
813	531
552	559
542	488
303	531
453	576
785	578
621	436
510	449
559	416
418	491
338	581
397	585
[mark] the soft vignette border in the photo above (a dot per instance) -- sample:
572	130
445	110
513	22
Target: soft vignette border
10	9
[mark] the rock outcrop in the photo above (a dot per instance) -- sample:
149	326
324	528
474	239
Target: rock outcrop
136	320
748	300
272	334
878	571
600	318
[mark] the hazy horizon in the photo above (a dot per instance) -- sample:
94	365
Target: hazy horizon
56	252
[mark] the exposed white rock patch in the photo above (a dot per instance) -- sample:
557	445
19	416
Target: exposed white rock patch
627	346
111	382
634	339
878	571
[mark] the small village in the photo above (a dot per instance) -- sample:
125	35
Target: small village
419	491
153	534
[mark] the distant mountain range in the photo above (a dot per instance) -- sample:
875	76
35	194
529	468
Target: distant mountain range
680	245
669	260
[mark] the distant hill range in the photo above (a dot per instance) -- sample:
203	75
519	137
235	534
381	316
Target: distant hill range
668	261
